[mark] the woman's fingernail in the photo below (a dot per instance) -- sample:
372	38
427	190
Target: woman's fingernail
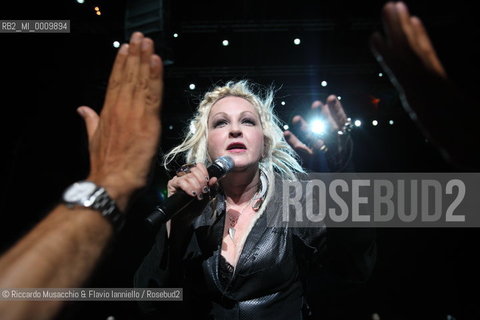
194	193
205	189
136	37
145	44
123	49
154	61
207	178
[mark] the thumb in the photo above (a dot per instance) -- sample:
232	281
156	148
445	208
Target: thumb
91	119
296	143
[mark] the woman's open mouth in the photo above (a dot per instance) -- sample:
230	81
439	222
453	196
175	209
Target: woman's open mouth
236	147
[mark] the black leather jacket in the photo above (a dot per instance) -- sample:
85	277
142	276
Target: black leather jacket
269	279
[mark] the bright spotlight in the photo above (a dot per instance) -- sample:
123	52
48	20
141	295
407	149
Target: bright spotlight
80	1
374	123
318	126
358	123
324	83
225	43
282	103
192	86
170	127
296	41
390	122
339	98
175	35
380	74
286	127
116	44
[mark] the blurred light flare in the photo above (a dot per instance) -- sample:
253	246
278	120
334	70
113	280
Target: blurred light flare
318	126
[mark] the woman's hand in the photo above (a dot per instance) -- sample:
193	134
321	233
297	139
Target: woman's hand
193	180
334	118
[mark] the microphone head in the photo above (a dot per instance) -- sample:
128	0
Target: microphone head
226	163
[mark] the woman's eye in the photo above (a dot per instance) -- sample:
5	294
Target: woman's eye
219	123
248	121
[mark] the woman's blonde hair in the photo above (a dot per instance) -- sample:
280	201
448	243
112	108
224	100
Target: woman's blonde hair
278	155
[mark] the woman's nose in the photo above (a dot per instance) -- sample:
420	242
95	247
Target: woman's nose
235	131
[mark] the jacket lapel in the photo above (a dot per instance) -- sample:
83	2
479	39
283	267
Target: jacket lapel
258	230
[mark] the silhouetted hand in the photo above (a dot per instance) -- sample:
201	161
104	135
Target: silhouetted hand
310	145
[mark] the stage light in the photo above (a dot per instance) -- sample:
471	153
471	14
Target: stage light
225	43
324	83
81	1
116	44
192	86
318	126
374	123
175	35
282	103
380	74
358	123
286	127
99	13
170	127
296	41
97	9
390	122
339	98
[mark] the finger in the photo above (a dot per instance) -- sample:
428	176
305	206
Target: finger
406	26
155	89
297	144
429	54
141	85
91	119
129	76
201	175
325	111
212	181
172	186
392	26
202	172
300	124
336	110
190	185
116	76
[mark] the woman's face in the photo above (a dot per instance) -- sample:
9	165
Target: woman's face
234	129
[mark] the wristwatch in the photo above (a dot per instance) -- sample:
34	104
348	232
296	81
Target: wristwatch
87	194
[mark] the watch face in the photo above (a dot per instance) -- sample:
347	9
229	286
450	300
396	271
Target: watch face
79	191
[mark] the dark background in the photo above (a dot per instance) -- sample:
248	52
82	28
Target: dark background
420	273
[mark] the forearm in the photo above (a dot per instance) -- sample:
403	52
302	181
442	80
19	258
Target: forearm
59	252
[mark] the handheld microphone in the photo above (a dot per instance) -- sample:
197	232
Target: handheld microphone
179	200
